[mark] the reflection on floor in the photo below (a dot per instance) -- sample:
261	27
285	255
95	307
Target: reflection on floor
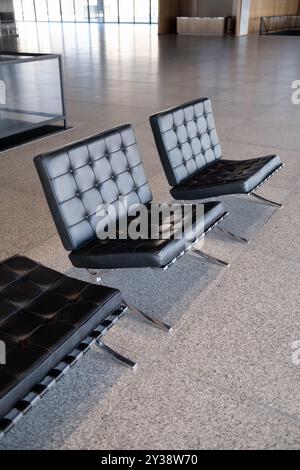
225	378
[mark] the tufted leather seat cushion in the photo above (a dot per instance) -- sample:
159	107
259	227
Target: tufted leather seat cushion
158	252
227	177
82	177
190	151
44	315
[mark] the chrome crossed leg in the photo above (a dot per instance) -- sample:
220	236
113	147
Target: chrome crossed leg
234	237
116	355
153	320
94	273
266	201
209	258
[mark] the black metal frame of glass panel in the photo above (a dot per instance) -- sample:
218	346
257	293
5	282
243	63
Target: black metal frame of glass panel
279	24
23	57
89	19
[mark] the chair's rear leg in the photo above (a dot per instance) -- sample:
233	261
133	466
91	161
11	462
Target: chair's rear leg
266	201
210	258
95	274
116	355
153	320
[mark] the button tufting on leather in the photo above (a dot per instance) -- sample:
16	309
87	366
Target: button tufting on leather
110	171
41	335
201	169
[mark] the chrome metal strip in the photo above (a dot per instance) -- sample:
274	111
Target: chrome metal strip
190	247
39	390
267	178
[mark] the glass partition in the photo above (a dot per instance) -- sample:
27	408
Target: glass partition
18	9
41	10
109	11
81	10
31	93
154	11
28	10
54	12
142	11
126	11
67	10
96	11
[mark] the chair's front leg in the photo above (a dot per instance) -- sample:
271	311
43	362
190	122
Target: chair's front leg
153	320
95	274
209	258
115	354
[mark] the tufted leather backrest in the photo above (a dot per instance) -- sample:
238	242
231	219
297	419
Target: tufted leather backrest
186	139
78	179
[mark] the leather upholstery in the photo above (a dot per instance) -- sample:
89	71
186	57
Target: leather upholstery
79	178
186	139
190	152
44	315
100	170
107	254
227	177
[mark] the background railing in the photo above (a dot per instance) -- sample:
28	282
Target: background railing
274	24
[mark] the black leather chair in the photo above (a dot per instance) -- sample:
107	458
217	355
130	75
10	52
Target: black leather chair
47	322
190	151
101	171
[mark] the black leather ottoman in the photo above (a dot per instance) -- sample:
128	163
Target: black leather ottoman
47	321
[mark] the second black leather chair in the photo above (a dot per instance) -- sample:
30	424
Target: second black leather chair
190	152
100	172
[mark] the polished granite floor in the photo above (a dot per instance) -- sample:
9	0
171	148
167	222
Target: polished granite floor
225	377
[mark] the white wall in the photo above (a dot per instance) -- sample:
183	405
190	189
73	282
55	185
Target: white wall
214	8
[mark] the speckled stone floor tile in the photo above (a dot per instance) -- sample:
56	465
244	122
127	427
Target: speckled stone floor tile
227	376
